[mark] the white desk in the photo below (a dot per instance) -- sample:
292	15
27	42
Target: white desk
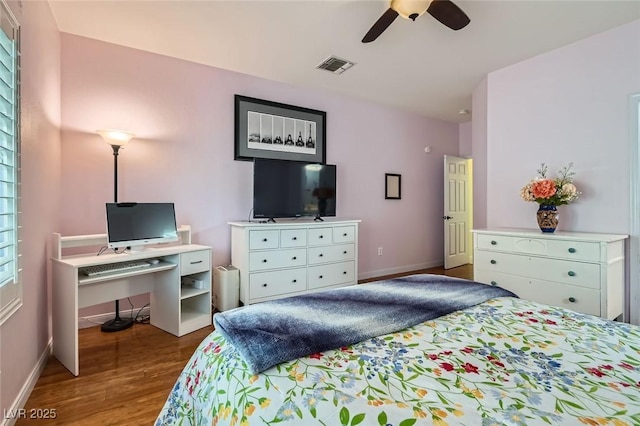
174	308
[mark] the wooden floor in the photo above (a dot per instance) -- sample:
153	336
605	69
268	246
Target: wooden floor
125	377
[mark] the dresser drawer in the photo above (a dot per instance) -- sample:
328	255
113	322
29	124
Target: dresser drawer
194	262
344	234
495	242
319	236
562	271
291	258
564	249
332	274
327	254
293	238
578	250
264	239
578	299
274	283
524	245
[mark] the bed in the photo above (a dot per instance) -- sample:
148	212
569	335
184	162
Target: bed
502	361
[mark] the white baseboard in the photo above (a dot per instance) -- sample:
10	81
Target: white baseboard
11	415
95	320
399	270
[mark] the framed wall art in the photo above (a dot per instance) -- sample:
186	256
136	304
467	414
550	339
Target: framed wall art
392	186
265	129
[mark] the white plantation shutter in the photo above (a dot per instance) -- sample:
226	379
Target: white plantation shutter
10	285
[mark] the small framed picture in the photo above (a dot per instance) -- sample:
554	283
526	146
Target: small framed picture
392	186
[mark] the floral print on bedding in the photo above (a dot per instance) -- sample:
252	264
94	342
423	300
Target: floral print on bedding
504	362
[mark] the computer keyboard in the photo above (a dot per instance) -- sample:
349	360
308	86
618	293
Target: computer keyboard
92	271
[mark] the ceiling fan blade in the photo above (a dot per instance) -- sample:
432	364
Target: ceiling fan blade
448	14
381	24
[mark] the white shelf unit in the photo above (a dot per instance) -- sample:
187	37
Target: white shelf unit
180	309
292	257
174	308
583	272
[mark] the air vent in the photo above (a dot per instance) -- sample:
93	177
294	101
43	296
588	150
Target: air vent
335	65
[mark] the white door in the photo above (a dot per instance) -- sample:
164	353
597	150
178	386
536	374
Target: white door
457	211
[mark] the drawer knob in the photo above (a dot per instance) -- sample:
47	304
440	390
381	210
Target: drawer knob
494	283
320	255
295	281
294	238
344	252
344	273
264	285
571	273
320	276
344	235
494	242
264	240
572	250
572	299
264	260
321	236
493	262
294	258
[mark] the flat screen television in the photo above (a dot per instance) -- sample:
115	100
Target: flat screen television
138	224
293	189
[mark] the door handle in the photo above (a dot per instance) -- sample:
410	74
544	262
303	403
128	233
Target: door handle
447	217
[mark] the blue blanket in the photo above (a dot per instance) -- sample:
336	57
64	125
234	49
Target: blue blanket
266	334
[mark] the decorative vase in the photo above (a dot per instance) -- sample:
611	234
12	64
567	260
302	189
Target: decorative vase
547	218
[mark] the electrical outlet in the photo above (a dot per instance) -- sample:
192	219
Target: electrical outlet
379	251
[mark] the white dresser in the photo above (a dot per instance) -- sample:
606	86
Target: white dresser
583	272
293	257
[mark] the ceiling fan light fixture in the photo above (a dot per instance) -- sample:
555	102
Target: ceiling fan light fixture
410	9
443	11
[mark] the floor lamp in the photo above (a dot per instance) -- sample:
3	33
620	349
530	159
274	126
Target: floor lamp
117	139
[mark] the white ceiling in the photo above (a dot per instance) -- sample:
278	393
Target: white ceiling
419	66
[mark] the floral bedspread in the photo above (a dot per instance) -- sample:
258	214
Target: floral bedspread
504	362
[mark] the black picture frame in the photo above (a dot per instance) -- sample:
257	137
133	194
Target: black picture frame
265	129
392	186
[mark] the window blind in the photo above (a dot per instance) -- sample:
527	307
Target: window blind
10	283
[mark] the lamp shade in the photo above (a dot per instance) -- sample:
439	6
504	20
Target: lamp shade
410	9
115	137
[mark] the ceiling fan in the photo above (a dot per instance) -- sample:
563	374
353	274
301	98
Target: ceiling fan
443	10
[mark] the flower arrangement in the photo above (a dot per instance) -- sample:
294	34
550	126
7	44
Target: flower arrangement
552	192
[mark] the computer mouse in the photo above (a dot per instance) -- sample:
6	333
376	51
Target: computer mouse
154	261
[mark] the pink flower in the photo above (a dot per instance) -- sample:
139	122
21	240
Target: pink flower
552	191
543	188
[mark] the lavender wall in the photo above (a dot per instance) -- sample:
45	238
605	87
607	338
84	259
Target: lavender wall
466	139
571	104
479	154
182	113
25	336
